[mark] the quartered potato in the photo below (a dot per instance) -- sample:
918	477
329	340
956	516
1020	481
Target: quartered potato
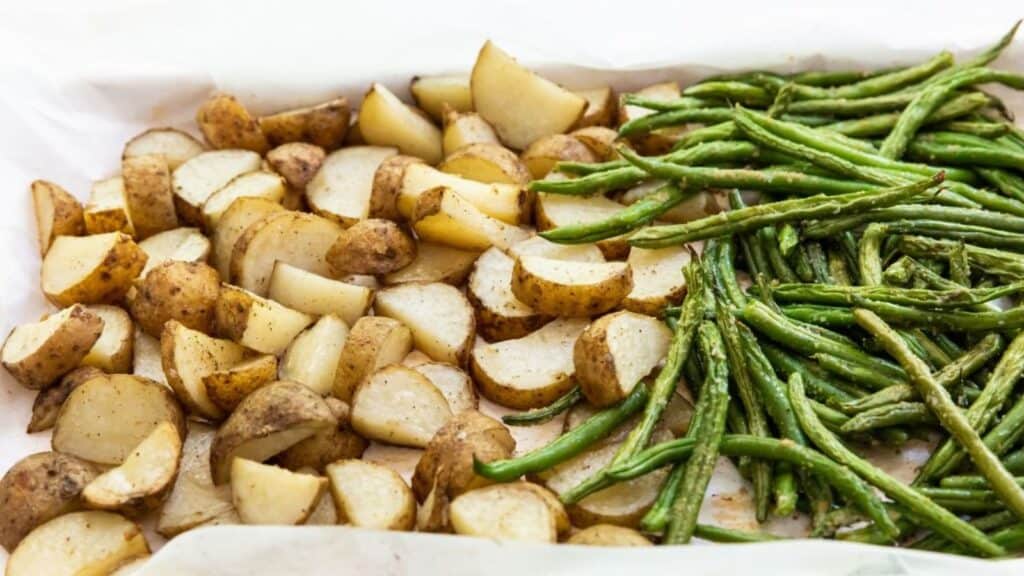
488	163
435	263
313	294
505	512
96	269
256	184
148	196
265	494
602	107
113	351
243	213
600	141
554	210
48	401
226	387
542	155
226	123
295	238
447	462
323	125
205	173
454	384
443	216
387	185
531	371
439	316
38	354
508	203
142	481
520	105
194	500
463	129
373	246
79	543
58	213
609	535
326	446
370	495
183	291
187	357
616	352
183	244
312	357
384	120
342	188
499	314
296	162
37	489
399	405
176	147
433	93
657	279
373	342
257	323
107	208
570	288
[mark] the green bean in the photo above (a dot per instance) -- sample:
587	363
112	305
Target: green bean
916	297
964	501
644	124
919	505
818	259
853	106
988	55
981	129
835	317
789	239
832	78
862	374
1007	182
986	260
638	214
768	236
820	386
959	265
753	251
682	103
979	235
869	255
730	90
968	216
541	415
971	482
837	268
926	151
897	414
728	536
881	124
656	518
986	523
723	131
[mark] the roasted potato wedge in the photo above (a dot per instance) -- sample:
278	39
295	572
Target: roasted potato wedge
538	246
608	535
243	213
323	125
369	495
265	494
554	210
372	247
316	295
58	213
600	141
113	351
148	196
656	141
96	269
296	162
38	354
520	105
49	400
657	279
504	512
79	543
387	185
328	445
105	418
226	123
505	202
398	405
435	263
454	384
464	128
203	174
256	184
433	93
183	291
146	359
439	316
499	314
142	481
490	163
531	371
602	107
189	355
570	288
696	206
616	352
542	155
227	387
38	488
107	208
194	500
182	244
443	216
373	342
447	461
267	422
343	187
312	358
257	323
176	147
384	120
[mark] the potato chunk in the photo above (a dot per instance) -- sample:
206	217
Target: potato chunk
384	120
609	535
258	323
256	184
38	488
38	354
499	314
370	495
433	93
187	357
441	215
79	543
265	494
504	512
324	125
439	316
312	357
114	349
96	269
226	123
400	406
570	288
373	246
107	208
657	279
342	188
148	195
435	263
182	291
58	213
143	479
463	129
228	386
373	342
616	352
176	147
313	294
203	174
488	163
542	155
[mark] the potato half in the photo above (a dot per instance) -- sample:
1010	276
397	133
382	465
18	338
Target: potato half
258	323
602	107
184	291
373	246
107	208
38	488
148	196
326	446
48	401
443	216
113	351
464	128
508	203
542	155
554	210
370	495
182	244
312	358
176	147
373	342
265	494
194	500
205	173
398	405
447	461
439	316
531	371
657	279
488	163
142	481
313	294
296	162
616	352
79	543
433	93
435	263
226	123
499	314
387	185
342	188
568	288
608	535
226	387
58	213
243	213
37	354
520	105
384	120
189	355
504	512
255	184
454	384
324	125
96	269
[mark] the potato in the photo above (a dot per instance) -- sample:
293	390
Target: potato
384	120
562	524
328	445
554	210
537	246
38	488
600	141
433	93
435	263
142	481
257	323
506	202
373	342
107	208
256	184
105	418
49	400
442	215
324	514
226	387
542	155
439	316
194	500
488	163
570	288
296	162
447	461
58	213
609	535
316	295
531	371
342	188
520	105
113	351
183	244
243	213
146	361
295	238
267	422
226	123
187	356
176	147
387	185
175	290
147	193
94	269
601	110
400	406
463	129
370	495
324	125
371	247
656	141
37	354
696	206
312	358
616	352
499	314
454	384
504	512
657	279
79	543
265	494
202	175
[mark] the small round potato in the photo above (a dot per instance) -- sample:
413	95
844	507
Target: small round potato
296	162
371	247
447	461
182	291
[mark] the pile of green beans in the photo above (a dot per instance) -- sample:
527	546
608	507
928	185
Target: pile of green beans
872	295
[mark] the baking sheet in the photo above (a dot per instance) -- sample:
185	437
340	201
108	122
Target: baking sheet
79	79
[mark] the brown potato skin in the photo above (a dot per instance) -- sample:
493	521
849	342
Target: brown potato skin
549	298
447	461
226	388
109	282
60	353
175	290
595	365
296	162
48	402
324	125
68	218
499	393
39	488
373	246
330	445
360	353
600	141
542	155
495	327
496	154
226	123
148	194
387	183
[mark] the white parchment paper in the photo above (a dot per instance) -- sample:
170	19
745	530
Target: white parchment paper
78	79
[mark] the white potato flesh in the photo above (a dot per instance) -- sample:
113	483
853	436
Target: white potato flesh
400	406
190	355
657	278
57	212
384	120
184	244
194	500
438	314
370	495
202	175
269	326
269	495
555	210
146	360
435	263
72	260
520	105
113	351
312	358
616	352
432	93
453	221
148	471
107	209
461	130
311	293
79	544
295	238
372	343
342	187
538	246
490	288
454	384
258	184
600	107
570	288
490	163
325	513
175	146
39	353
503	512
505	202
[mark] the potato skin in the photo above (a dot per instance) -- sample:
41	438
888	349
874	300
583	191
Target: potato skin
551	298
329	445
595	365
60	353
48	402
226	388
148	194
324	125
373	246
296	162
39	488
110	281
387	183
447	461
226	123
67	219
175	290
